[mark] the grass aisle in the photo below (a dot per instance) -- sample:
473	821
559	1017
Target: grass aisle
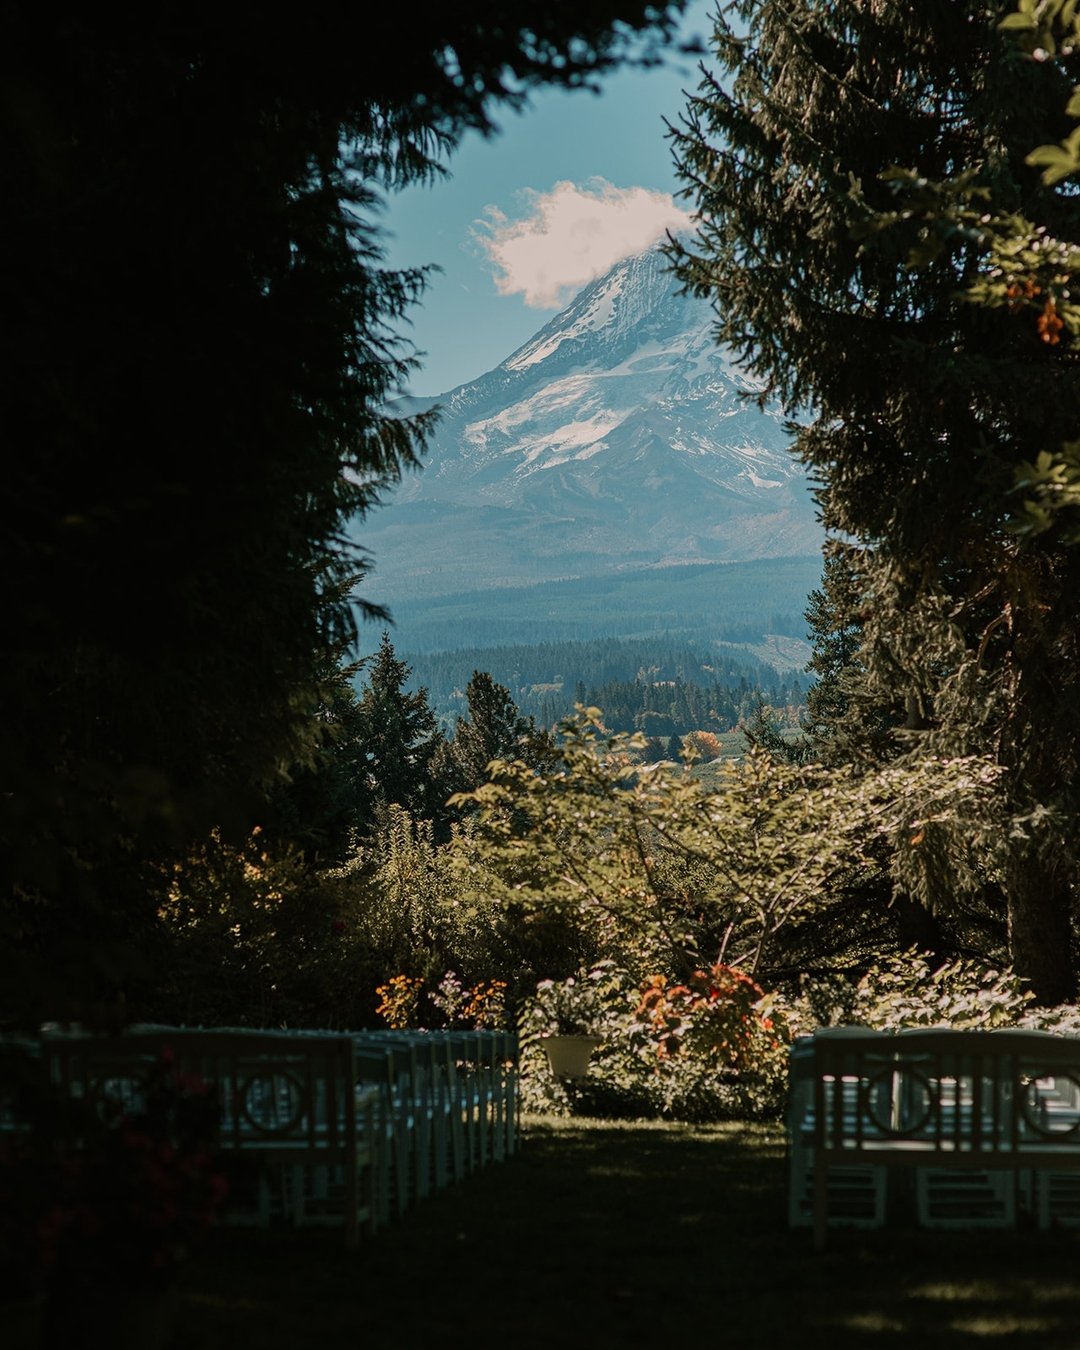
617	1234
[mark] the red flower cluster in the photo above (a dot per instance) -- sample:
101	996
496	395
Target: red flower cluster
1050	323
713	1013
145	1185
1023	291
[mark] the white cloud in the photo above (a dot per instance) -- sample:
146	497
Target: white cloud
570	235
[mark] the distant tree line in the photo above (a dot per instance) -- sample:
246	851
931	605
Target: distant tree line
732	602
384	744
663	686
383	747
676	707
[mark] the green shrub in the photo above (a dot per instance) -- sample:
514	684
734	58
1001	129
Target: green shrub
909	991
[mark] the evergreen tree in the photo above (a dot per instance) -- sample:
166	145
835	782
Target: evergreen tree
842	725
762	731
916	406
199	341
1029	268
493	729
323	809
399	738
831	619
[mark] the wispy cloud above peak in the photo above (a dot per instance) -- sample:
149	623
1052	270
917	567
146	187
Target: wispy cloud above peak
568	236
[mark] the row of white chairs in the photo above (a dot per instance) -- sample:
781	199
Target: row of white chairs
447	1104
348	1128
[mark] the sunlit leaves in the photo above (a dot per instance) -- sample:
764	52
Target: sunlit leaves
660	864
1044	28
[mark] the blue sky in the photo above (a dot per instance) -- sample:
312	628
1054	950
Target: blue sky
529	216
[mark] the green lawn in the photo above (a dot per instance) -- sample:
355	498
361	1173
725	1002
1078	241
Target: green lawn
628	1234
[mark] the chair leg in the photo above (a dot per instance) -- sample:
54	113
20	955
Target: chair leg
821	1205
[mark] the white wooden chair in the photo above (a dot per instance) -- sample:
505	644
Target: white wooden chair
999	1105
288	1104
376	1068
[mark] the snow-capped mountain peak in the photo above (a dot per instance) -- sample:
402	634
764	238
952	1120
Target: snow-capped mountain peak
609	308
618	435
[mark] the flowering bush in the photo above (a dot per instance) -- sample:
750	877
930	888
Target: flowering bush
400	999
714	1015
143	1183
482	1007
708	1048
711	1048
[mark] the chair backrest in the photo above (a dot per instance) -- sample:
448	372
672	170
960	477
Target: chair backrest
981	1091
275	1091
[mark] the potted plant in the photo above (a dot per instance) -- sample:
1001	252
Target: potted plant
571	1017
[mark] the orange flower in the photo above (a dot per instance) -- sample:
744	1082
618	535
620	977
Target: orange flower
1019	291
1050	323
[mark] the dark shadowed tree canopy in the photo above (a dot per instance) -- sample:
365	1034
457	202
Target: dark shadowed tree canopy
917	406
320	810
197	341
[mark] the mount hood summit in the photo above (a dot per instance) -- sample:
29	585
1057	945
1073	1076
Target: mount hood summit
618	438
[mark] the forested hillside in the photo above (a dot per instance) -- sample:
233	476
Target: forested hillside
664	686
732	602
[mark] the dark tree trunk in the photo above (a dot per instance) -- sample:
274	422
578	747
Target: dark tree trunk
1040	931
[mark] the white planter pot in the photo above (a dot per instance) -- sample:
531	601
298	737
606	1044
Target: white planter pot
568	1056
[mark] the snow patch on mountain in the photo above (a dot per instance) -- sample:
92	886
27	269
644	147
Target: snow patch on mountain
598	313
